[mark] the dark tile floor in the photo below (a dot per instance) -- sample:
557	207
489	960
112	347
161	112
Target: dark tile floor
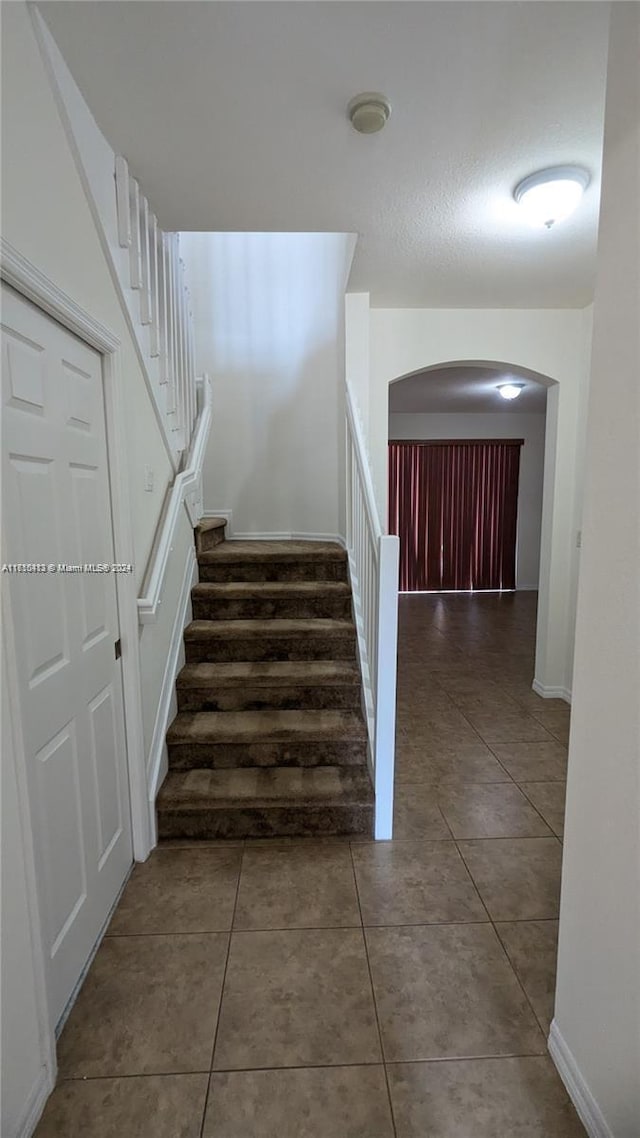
354	989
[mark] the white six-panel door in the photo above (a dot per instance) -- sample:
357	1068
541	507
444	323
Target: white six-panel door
56	510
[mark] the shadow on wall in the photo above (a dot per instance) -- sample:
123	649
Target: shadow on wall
269	320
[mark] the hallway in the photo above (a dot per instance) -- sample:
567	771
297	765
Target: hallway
305	989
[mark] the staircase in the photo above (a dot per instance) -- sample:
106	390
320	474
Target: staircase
269	739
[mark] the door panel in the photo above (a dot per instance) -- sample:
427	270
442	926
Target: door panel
57	511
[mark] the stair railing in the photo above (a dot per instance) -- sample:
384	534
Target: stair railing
373	562
155	271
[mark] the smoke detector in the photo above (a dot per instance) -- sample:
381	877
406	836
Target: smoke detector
369	112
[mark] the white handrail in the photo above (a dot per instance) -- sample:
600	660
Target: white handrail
186	490
373	562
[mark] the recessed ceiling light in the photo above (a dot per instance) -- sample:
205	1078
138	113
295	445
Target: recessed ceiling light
510	390
551	195
369	112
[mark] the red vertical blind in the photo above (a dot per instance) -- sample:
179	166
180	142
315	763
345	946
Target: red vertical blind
454	506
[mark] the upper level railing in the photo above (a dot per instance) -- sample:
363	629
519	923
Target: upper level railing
156	274
373	562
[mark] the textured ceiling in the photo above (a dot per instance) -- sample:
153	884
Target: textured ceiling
465	389
233	117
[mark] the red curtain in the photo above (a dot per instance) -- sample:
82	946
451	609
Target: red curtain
454	506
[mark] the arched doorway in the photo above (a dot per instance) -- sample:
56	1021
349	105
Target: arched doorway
459	399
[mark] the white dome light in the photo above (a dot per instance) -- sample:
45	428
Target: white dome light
510	390
551	195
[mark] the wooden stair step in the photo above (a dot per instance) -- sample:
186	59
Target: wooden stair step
262	600
273	561
249	640
210	532
277	684
266	738
291	802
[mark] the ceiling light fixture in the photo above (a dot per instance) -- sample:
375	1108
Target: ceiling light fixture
510	390
368	112
551	195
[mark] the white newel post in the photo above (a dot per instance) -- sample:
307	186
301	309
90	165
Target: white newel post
389	552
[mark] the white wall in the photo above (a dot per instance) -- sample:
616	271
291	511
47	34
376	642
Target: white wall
27	1069
46	217
269	321
505	425
546	342
597	1015
357	362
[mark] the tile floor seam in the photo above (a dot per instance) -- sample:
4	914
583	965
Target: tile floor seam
526	994
555	782
495	929
373	996
222	986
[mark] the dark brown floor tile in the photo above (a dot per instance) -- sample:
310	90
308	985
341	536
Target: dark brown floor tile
507	727
297	886
533	762
532	947
498	810
518	878
180	891
414	883
148	1005
157	1106
548	799
446	991
482	1098
296	998
465	762
310	1102
416	814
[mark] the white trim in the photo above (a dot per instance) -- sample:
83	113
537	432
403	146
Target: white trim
22	275
280	535
167	704
35	1104
388	561
551	692
290	535
46	1079
187	490
588	1110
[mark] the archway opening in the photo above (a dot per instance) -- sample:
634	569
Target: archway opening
458	400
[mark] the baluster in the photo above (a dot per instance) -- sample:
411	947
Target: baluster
154	286
122	202
168	278
135	267
145	284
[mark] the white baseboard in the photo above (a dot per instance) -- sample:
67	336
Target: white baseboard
36	1102
167	704
548	692
588	1110
273	535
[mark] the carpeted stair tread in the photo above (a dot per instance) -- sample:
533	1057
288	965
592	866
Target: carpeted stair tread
233	552
272	590
292	787
269	673
266	727
285	629
210	523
